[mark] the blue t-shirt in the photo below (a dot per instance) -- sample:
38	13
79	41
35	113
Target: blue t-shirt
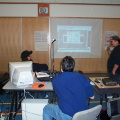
73	91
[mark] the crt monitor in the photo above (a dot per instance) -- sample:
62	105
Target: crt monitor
21	73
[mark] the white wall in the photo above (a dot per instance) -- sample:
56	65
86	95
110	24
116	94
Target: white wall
66	1
100	11
18	10
61	10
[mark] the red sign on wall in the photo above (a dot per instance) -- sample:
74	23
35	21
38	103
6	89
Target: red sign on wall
43	10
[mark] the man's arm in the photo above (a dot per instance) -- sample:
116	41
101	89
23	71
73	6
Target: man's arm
115	68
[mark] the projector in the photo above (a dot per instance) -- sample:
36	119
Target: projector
109	82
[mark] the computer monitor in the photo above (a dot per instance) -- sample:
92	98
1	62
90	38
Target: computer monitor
21	73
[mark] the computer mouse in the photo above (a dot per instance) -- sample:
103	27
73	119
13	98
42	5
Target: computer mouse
40	85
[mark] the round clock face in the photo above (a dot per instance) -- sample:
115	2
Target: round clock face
43	10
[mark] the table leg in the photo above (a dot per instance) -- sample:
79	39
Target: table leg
16	111
17	107
101	99
106	98
16	101
12	105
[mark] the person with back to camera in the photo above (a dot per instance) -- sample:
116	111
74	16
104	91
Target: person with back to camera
27	56
113	64
73	91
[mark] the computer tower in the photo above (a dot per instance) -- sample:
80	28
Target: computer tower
116	117
113	106
32	109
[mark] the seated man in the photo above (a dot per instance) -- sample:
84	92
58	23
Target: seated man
27	56
73	91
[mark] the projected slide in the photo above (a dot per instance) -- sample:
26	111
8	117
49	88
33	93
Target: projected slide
74	38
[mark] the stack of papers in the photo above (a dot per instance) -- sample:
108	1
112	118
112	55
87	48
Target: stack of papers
92	83
41	74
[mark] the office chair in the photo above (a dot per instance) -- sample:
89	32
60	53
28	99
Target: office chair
90	114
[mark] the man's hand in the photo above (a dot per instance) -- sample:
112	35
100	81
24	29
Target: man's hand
108	49
109	46
114	69
92	97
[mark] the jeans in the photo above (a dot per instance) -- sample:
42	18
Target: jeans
42	95
51	111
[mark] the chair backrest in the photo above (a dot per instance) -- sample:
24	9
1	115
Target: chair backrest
89	114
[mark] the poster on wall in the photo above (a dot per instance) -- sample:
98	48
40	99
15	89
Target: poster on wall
40	38
107	36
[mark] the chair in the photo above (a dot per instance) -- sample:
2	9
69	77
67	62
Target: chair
90	114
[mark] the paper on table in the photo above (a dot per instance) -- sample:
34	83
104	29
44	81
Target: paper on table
41	74
36	85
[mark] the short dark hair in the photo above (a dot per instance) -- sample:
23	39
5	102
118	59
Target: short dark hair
68	64
119	41
25	54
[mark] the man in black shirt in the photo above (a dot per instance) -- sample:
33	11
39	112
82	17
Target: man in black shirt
27	56
113	64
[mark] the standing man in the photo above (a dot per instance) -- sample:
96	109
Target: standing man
73	91
113	64
27	56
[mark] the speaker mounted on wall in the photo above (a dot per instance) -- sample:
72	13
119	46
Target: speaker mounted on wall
43	10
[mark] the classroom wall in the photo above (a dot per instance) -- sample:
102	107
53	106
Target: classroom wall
17	34
29	26
89	11
65	1
10	41
18	10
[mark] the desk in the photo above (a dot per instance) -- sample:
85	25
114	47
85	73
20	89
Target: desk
11	87
105	89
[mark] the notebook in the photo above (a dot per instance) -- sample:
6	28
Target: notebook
42	76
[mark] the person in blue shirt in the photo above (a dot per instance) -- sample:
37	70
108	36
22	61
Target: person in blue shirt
72	89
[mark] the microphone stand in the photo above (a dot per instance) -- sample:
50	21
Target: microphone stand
53	52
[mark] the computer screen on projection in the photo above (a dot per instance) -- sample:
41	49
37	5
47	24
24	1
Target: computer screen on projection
79	38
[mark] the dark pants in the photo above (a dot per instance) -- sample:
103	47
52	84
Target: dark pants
115	77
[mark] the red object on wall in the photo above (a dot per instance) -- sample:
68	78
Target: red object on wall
43	10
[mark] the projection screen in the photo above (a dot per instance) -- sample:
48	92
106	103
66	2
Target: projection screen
79	38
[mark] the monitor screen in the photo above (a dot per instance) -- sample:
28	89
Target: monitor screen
21	73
